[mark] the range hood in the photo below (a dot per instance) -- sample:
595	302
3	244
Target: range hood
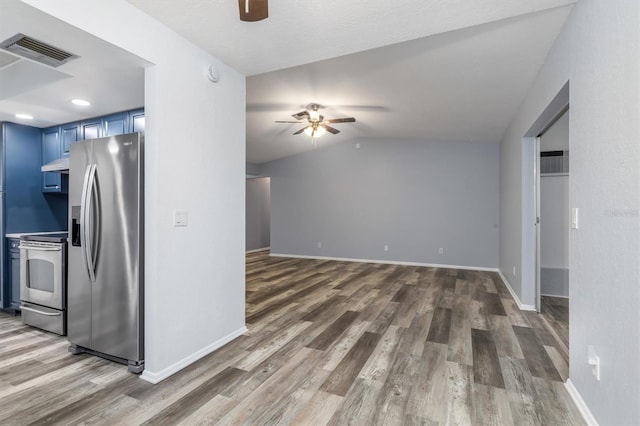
61	165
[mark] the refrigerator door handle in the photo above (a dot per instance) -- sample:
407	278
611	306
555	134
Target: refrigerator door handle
85	211
94	191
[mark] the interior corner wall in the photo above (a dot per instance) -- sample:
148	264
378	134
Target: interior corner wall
351	199
194	160
253	169
258	221
597	52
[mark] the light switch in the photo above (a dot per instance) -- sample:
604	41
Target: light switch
594	361
180	218
574	218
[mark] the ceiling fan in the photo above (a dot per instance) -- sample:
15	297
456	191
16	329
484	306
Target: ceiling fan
317	125
253	10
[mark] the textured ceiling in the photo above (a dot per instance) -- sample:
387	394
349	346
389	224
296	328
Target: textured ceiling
449	70
464	85
303	31
452	70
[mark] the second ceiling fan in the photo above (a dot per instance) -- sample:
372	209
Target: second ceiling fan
317	125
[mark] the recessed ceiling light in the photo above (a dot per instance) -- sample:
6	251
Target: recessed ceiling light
24	116
80	102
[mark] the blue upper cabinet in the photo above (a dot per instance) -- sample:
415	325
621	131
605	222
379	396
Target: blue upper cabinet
136	121
90	129
51	182
112	125
69	133
57	141
116	124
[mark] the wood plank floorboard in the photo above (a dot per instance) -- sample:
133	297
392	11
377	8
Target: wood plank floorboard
440	326
329	342
486	366
555	310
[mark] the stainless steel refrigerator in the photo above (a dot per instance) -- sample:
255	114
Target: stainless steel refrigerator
105	260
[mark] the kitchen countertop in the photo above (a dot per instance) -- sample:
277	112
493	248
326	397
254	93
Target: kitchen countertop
20	234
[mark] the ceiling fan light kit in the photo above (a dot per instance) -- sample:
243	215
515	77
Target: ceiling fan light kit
314	132
317	125
253	10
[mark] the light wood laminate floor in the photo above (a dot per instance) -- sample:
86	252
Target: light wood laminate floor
328	343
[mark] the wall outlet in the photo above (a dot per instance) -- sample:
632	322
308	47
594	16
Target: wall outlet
386	247
319	244
441	250
514	271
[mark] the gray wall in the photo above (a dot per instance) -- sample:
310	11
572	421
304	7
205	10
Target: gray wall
258	205
252	169
413	196
554	216
597	51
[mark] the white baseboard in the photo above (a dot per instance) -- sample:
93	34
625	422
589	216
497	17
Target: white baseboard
582	406
387	262
507	284
153	377
257	250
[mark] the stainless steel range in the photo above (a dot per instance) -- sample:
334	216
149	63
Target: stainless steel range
43	281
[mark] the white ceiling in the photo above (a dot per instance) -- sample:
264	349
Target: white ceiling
464	85
451	70
448	70
303	31
110	78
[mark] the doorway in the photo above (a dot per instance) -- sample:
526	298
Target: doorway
258	214
545	272
552	264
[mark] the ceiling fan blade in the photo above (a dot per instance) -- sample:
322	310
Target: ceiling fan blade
283	121
253	10
301	130
341	120
330	129
301	115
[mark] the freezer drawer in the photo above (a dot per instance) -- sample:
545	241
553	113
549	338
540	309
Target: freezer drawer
45	318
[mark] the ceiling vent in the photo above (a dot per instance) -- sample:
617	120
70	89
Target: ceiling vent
38	51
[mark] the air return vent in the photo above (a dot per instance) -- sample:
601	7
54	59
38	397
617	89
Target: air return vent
554	162
36	50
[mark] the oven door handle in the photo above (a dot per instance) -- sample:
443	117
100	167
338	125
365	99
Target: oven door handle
35	248
36	311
